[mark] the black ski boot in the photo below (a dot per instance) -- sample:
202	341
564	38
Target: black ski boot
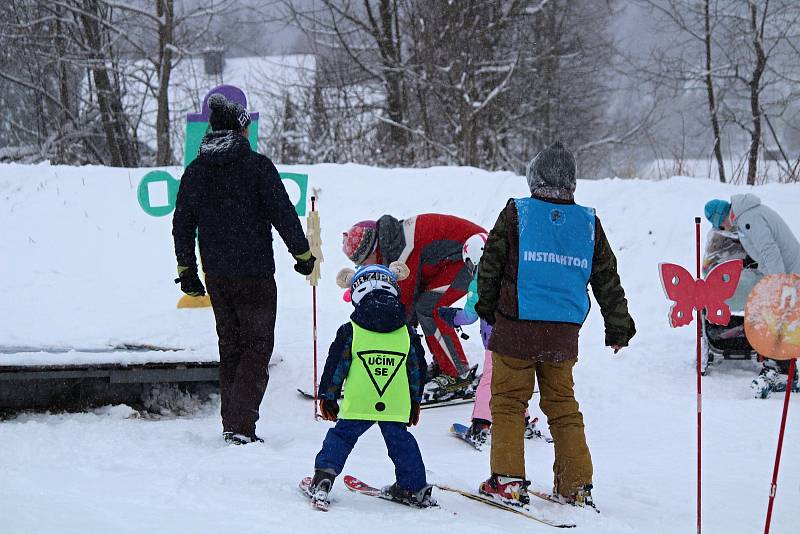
582	498
320	488
231	438
445	387
418	499
479	431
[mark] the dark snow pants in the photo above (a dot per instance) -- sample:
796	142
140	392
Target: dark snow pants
400	443
245	312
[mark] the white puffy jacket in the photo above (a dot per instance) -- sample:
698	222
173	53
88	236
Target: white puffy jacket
765	236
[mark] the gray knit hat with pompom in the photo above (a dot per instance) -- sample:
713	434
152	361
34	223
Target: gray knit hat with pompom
553	168
227	115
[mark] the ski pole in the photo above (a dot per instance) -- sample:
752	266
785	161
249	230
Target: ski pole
774	486
314	320
699	383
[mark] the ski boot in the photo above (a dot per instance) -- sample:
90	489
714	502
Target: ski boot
432	372
319	489
532	432
231	438
511	491
582	498
417	499
445	387
764	384
780	384
479	432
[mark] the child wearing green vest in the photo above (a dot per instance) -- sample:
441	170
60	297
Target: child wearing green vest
379	361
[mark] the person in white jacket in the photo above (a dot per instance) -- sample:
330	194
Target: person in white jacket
767	239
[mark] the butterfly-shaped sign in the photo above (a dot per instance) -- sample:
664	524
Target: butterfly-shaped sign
710	294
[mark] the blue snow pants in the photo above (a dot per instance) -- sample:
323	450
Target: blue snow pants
400	443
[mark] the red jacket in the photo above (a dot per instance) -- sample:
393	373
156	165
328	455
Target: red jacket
430	244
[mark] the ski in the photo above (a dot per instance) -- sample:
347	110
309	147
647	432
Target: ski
462	432
357	486
446	403
523	511
316	504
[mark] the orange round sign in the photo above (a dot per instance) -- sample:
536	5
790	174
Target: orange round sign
772	317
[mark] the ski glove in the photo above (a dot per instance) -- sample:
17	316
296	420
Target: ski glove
448	315
488	318
414	417
329	409
190	282
305	263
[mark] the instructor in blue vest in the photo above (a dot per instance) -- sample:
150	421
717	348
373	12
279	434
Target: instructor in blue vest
541	256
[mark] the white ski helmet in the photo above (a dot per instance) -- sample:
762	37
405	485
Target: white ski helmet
473	248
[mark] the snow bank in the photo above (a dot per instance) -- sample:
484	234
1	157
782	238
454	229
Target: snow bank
82	265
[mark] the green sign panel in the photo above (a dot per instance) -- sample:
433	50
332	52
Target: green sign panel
195	131
297	187
157	193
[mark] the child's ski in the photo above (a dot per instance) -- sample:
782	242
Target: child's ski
355	485
523	511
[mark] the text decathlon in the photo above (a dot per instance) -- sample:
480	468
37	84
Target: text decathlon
552	257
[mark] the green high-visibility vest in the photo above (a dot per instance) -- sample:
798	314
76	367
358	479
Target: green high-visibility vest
376	388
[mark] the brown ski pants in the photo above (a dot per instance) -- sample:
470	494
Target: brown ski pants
513	381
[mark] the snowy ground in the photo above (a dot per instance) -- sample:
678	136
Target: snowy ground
83	266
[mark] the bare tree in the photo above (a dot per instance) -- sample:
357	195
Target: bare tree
367	35
749	68
44	50
474	82
761	49
711	92
676	64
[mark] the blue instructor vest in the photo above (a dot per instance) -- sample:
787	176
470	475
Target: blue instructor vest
556	247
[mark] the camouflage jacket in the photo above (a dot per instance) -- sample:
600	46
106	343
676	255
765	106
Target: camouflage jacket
538	340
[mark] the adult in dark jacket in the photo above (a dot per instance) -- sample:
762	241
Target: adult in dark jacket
231	197
537	303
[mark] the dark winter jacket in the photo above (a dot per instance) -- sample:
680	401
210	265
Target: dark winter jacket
540	340
232	197
430	245
378	311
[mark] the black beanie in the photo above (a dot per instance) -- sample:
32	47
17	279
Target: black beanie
226	115
553	167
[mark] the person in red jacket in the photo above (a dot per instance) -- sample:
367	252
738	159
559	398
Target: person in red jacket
430	245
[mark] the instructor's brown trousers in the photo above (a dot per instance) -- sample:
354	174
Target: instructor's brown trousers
513	381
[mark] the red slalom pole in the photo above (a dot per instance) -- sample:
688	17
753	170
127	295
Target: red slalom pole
774	487
314	307
699	385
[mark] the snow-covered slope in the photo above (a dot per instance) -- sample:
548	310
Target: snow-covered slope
82	265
